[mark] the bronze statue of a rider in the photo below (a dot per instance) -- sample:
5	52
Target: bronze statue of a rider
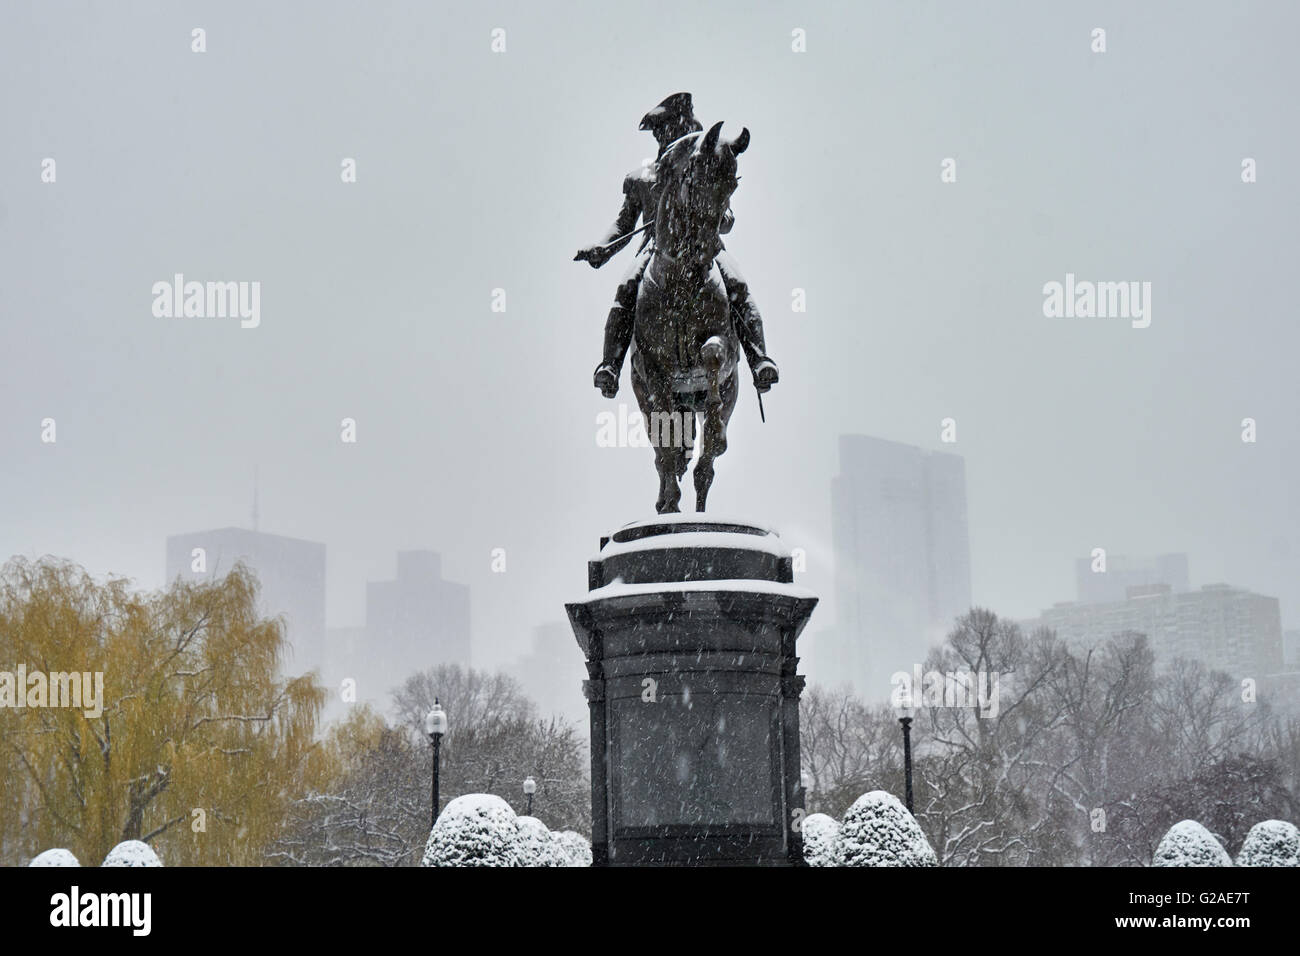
669	121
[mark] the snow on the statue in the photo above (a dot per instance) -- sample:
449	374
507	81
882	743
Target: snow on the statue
575	847
539	844
878	831
819	833
58	857
1271	843
477	829
1189	844
131	853
768	543
619	588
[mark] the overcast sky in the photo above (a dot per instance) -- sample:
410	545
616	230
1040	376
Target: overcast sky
476	430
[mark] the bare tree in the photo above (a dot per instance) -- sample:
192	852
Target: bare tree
979	771
1104	695
378	814
846	749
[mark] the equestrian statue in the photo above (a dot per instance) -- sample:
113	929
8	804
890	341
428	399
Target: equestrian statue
683	310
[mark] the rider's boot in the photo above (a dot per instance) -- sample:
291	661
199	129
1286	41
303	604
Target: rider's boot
618	335
749	326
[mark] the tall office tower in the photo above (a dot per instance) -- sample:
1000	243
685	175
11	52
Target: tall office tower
902	561
1123	573
291	572
1225	628
551	674
1291	650
415	621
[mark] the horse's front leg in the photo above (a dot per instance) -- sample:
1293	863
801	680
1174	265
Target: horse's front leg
652	401
713	441
670	463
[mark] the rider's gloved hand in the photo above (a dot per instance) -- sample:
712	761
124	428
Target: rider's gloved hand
596	255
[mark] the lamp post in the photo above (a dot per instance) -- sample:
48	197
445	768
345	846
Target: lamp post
530	788
905	715
435	725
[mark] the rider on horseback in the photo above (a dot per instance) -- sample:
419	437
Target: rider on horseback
669	121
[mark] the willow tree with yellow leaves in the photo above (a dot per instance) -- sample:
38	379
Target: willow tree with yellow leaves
199	746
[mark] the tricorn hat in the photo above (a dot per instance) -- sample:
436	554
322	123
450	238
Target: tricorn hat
676	109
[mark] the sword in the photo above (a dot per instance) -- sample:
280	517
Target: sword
620	240
760	404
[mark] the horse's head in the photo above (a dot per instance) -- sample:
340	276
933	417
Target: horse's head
697	177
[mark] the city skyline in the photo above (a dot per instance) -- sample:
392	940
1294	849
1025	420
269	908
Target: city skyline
1224	627
827	656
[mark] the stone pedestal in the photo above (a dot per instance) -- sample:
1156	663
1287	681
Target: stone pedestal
689	631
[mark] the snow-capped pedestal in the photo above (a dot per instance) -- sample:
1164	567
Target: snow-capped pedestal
689	630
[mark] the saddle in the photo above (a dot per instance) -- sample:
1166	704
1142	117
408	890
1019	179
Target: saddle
690	386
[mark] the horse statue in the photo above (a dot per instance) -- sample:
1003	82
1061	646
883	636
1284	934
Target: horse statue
685	349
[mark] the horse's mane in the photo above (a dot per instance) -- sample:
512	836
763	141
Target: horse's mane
669	171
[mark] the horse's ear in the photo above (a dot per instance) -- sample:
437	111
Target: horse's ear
710	141
741	142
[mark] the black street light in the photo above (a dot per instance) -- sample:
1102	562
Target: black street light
435	725
530	788
905	718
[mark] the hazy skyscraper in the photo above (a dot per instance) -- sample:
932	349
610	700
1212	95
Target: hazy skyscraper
1122	573
902	560
291	572
552	672
413	622
418	619
1225	628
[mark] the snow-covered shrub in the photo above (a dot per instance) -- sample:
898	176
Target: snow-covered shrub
575	847
539	844
57	858
477	829
819	833
1189	844
1270	843
878	831
131	853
